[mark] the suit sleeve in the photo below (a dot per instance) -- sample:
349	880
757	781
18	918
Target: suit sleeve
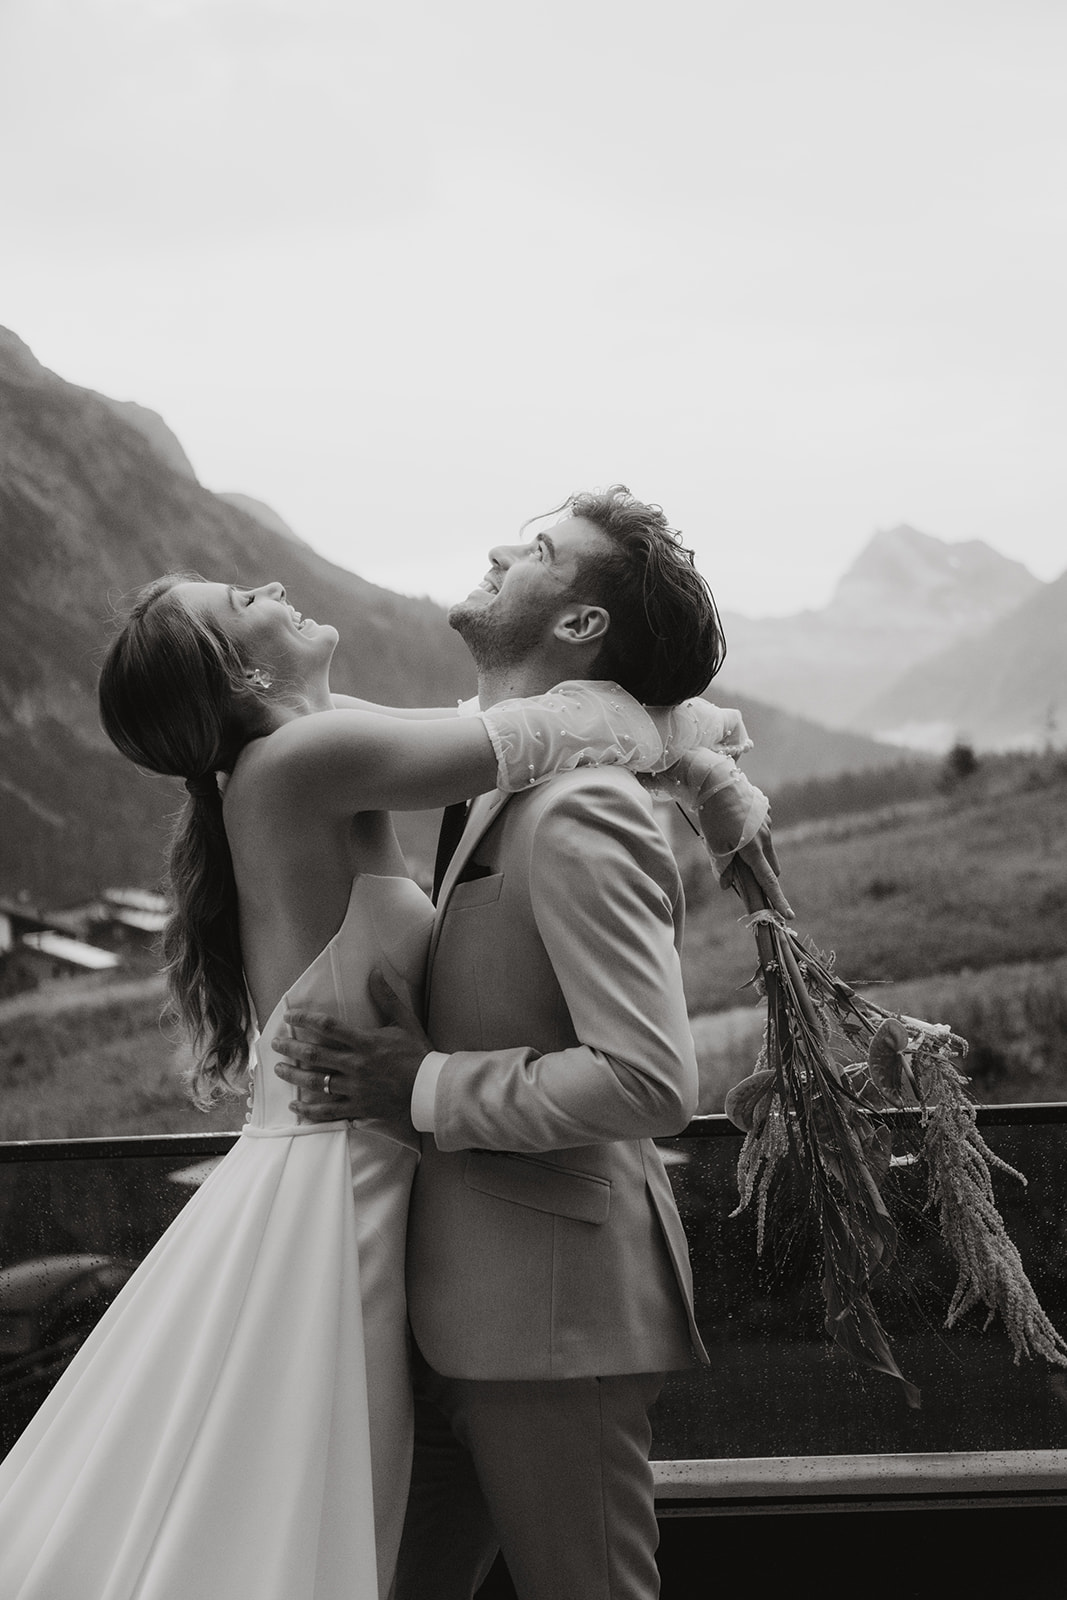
604	892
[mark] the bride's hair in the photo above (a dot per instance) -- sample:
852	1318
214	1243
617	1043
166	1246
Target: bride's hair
174	698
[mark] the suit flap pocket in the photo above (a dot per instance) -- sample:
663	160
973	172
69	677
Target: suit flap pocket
475	892
539	1184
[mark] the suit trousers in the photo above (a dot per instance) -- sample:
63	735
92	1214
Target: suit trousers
554	1473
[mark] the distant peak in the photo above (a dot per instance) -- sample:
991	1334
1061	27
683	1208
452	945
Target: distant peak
904	533
902	566
888	548
904	536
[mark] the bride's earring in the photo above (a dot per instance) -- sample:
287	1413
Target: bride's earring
259	680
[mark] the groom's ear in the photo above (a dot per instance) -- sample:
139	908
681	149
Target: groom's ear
581	624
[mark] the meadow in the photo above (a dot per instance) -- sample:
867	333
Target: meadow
81	1059
1014	1019
951	907
970	878
91	1063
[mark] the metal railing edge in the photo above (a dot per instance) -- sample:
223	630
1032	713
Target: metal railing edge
861	1482
714	1126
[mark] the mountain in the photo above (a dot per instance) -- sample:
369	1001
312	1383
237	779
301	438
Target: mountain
97	497
936	586
261	513
792	749
905	597
1005	688
151	426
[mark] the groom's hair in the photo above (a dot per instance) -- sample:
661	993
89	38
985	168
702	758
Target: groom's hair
665	640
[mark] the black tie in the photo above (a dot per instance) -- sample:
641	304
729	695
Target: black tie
453	823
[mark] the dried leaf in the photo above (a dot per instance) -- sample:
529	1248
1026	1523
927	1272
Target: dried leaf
744	1097
885	1056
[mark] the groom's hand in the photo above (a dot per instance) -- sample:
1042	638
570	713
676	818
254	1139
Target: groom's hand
354	1074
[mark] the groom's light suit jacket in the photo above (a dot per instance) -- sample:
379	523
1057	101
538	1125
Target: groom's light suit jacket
543	1240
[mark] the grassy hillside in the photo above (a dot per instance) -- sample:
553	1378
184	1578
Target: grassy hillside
950	903
973	878
1013	1017
86	1063
956	906
82	1060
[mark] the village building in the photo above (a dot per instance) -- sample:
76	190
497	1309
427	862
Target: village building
119	930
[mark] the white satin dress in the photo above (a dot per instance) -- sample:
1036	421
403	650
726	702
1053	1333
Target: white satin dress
238	1424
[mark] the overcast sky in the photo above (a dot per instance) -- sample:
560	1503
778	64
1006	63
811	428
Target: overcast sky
412	271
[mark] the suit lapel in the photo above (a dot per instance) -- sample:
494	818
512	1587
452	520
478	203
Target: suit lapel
484	811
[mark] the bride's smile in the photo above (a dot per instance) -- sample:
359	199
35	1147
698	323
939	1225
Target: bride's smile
269	630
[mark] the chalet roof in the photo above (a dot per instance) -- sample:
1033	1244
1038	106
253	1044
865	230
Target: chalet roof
147	921
23	915
72	950
137	900
133	908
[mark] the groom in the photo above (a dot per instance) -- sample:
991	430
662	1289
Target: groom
548	1278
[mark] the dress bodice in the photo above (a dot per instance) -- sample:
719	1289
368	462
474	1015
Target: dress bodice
387	924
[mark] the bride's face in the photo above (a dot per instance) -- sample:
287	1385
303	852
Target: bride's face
269	632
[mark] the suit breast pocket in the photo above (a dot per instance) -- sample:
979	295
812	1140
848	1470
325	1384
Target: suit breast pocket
541	1185
475	892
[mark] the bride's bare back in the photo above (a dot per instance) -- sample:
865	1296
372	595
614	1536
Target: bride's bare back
294	869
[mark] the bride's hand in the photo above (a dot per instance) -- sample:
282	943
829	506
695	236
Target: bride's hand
760	856
734	818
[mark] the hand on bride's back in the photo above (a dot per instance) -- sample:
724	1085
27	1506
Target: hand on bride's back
354	1074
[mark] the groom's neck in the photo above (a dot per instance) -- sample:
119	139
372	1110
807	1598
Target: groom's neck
512	683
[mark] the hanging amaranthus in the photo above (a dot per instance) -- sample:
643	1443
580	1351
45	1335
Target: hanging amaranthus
827	1118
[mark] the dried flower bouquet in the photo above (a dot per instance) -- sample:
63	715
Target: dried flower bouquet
811	1113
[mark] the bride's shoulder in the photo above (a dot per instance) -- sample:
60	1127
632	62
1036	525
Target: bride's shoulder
265	764
304	759
296	742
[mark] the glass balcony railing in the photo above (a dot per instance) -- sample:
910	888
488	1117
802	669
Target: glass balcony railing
777	1420
780	1417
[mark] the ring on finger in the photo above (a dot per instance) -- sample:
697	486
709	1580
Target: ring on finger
326	1084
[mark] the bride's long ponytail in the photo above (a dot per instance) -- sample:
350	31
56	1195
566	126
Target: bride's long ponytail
174	698
202	951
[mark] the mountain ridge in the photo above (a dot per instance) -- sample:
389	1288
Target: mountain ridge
95	500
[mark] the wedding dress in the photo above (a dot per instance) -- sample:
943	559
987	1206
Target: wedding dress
238	1423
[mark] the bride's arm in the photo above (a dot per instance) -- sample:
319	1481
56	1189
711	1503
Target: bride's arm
337	763
342	762
348	702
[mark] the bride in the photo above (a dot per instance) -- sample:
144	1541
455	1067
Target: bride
239	1422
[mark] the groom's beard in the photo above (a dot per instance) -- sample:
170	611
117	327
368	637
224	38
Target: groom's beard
499	639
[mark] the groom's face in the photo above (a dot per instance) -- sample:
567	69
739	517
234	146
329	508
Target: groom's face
528	587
